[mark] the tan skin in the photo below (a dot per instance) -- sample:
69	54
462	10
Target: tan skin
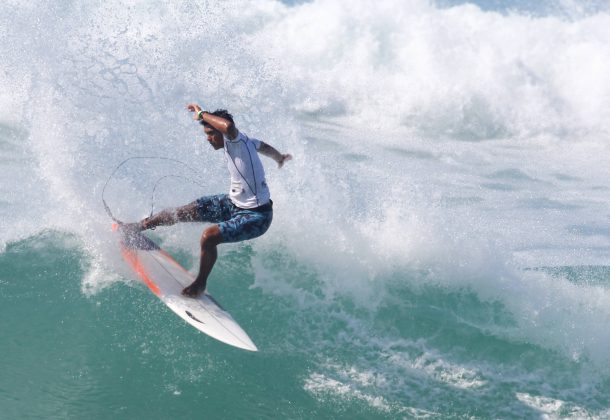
211	237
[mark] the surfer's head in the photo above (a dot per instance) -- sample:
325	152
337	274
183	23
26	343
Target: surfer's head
214	136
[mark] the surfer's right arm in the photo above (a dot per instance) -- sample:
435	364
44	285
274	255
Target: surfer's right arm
226	127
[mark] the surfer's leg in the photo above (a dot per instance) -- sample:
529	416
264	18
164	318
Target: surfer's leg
209	241
246	224
167	217
214	209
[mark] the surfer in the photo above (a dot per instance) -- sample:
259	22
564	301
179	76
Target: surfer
245	213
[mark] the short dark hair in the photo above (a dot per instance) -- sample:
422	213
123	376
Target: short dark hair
222	113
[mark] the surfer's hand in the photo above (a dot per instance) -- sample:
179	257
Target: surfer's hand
194	108
284	158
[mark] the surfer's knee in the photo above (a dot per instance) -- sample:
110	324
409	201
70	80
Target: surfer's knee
211	237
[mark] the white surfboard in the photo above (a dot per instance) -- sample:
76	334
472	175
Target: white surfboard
166	279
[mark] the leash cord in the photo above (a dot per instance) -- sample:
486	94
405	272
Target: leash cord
157	182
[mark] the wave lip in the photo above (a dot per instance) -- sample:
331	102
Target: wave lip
460	72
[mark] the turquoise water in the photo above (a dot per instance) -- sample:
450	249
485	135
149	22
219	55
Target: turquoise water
120	353
440	245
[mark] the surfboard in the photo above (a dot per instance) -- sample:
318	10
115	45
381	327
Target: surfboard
166	278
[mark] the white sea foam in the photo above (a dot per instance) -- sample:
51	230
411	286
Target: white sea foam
551	408
400	378
318	383
350	386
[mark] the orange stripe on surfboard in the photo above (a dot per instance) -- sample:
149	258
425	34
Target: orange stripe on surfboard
132	258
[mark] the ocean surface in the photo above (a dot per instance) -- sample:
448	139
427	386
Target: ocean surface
441	241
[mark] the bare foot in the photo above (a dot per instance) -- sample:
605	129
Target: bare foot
194	289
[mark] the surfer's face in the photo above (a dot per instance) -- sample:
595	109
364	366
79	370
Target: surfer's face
214	137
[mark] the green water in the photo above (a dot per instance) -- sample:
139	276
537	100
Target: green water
120	353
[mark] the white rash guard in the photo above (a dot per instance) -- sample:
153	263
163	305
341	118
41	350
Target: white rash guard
248	186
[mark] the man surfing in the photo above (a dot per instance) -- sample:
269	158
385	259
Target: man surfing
245	213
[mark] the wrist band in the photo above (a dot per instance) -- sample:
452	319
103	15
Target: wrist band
200	114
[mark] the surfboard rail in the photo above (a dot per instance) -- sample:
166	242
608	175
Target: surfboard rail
166	278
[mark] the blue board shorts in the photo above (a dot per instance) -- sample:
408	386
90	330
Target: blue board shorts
236	224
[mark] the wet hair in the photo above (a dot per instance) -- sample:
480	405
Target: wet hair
222	113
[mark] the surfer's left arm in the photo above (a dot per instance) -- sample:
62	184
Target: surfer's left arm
271	152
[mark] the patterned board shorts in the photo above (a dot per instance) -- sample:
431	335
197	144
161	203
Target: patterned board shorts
236	224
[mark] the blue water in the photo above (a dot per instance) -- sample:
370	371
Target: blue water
441	241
